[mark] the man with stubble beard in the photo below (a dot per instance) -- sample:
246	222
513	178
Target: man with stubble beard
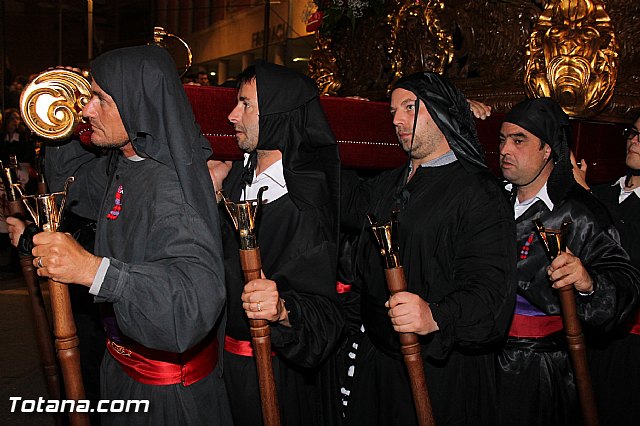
289	148
455	237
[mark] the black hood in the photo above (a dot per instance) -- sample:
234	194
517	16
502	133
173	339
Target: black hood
156	113
293	122
451	112
545	119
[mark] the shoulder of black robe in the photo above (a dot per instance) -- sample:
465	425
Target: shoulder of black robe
157	115
451	112
599	210
607	193
626	216
292	121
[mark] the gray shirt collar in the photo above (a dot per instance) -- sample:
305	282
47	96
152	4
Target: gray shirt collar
446	158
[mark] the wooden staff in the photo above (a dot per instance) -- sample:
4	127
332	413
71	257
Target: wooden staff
64	327
554	242
577	351
261	339
44	339
42	326
409	345
244	215
410	348
67	342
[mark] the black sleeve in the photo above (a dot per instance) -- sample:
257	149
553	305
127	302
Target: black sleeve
616	282
315	315
477	314
356	199
25	244
175	297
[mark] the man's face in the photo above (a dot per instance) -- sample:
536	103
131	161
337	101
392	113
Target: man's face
428	139
102	112
521	157
245	117
633	148
203	79
13	122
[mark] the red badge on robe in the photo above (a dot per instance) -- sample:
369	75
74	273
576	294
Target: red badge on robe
117	205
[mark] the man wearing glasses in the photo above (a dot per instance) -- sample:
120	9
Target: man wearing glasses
612	358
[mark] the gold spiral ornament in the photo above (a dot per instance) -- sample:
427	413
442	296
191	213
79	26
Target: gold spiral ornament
52	103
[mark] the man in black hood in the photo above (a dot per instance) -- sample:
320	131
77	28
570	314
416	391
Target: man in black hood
535	378
455	237
157	269
289	148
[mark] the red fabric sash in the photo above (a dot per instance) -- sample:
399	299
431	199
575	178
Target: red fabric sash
535	326
635	322
239	347
154	367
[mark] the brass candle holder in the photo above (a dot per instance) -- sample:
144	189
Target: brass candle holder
244	216
555	243
48	217
386	235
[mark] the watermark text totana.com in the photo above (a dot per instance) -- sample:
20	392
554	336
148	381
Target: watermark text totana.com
41	405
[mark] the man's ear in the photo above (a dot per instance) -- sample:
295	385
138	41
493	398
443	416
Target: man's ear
547	151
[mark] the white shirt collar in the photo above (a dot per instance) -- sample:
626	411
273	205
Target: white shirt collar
624	193
15	137
135	157
519	207
272	178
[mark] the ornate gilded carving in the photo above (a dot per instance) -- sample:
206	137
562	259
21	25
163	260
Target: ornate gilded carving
490	39
419	40
323	68
573	56
52	103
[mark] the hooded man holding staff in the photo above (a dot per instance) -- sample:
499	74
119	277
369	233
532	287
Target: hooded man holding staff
455	237
535	375
157	268
290	149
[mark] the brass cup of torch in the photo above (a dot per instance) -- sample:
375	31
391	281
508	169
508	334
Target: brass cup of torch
553	240
44	209
386	235
243	215
10	181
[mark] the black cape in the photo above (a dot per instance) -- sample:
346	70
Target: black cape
456	237
165	279
297	235
613	358
535	377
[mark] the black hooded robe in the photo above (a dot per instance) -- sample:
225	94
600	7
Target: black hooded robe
159	228
456	242
535	376
456	236
613	359
297	236
295	254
